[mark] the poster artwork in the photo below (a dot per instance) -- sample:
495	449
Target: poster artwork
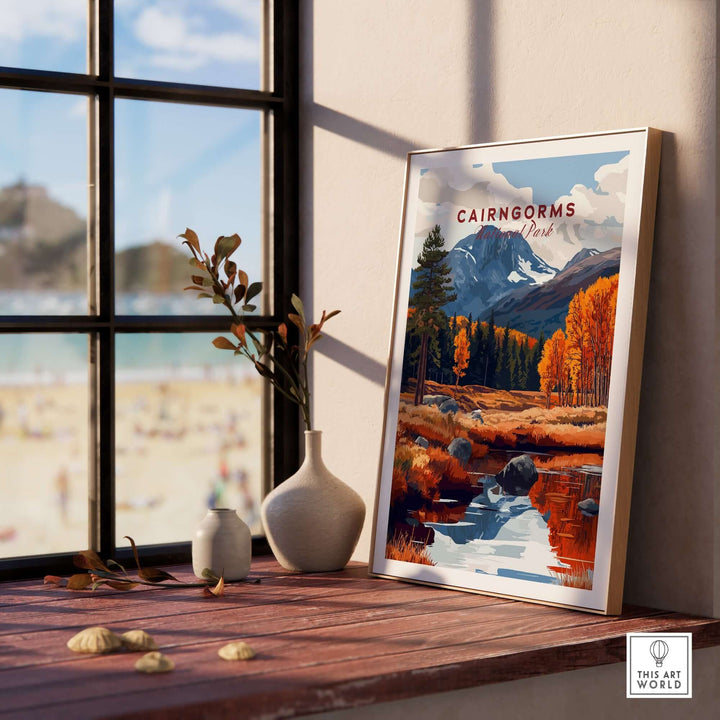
508	347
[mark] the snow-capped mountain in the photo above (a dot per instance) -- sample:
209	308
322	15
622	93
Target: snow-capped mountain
543	308
488	265
580	256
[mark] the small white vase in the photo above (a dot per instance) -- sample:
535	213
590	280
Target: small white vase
313	520
222	543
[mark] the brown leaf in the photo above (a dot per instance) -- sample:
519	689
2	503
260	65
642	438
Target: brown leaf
191	239
239	293
216	591
253	290
282	331
120	584
55	580
79	581
264	370
312	341
297	321
242	278
230	269
134	551
222	343
155	575
238	330
89	560
226	246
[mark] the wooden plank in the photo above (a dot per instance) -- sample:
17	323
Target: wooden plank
223	621
285	649
99	607
324	641
319	685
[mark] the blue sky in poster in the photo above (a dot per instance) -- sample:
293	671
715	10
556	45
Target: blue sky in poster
553	177
176	165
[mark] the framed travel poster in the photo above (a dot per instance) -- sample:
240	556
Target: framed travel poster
515	364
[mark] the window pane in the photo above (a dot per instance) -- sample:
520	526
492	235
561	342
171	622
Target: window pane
43	203
43	443
181	166
188	436
44	34
190	41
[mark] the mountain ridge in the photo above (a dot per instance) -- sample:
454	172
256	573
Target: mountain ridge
543	308
488	265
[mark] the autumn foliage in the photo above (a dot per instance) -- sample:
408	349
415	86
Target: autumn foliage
575	364
462	355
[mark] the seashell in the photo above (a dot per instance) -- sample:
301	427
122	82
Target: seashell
236	651
138	640
94	640
154	662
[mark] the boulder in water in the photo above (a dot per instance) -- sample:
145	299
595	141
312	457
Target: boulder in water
588	507
518	476
422	442
477	416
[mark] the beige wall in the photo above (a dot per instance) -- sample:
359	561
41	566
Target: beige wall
382	77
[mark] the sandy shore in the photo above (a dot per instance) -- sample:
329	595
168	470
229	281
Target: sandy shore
182	445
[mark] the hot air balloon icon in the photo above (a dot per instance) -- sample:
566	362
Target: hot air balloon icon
659	650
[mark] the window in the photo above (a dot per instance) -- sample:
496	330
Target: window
123	124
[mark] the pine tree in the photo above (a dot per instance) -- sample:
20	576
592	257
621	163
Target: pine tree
502	376
533	377
491	353
432	289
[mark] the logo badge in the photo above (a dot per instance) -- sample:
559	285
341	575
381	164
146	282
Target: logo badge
659	665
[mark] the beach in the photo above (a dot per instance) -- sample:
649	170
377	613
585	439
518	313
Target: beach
183	443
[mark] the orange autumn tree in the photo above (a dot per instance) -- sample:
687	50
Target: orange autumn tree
576	363
553	368
601	301
577	330
462	355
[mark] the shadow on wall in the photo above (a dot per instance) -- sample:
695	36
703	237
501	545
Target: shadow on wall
353	359
479	75
479	71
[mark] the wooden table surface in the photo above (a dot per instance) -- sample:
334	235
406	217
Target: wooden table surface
323	641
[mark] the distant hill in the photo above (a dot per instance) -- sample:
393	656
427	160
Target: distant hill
157	267
544	308
43	244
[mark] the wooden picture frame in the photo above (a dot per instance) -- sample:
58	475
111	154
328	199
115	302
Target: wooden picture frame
512	388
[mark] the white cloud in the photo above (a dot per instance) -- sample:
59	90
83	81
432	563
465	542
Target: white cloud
597	222
599	213
64	20
182	41
444	191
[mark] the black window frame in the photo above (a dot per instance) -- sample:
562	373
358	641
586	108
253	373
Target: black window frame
282	104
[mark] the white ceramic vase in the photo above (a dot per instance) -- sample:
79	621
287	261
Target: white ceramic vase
222	542
313	520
